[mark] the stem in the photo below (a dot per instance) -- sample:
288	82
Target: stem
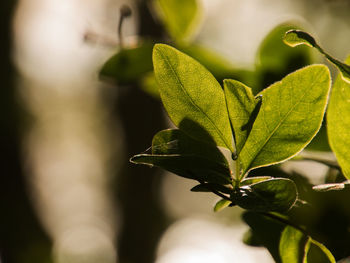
125	12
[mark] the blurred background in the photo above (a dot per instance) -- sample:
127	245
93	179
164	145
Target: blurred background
68	191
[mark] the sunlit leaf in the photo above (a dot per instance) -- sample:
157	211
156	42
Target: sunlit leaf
290	116
129	64
180	17
241	105
295	38
317	252
277	194
292	244
220	205
338	119
192	97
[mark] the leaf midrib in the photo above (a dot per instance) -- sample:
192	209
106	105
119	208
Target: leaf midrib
192	101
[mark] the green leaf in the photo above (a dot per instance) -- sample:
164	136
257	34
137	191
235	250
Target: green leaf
188	166
292	244
296	247
192	97
241	105
317	252
174	141
219	66
297	37
290	116
223	203
277	194
338	120
180	17
275	59
129	65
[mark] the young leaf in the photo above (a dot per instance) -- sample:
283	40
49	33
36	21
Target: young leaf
292	244
338	120
223	203
297	37
290	116
129	65
188	166
241	105
179	16
317	252
278	194
191	95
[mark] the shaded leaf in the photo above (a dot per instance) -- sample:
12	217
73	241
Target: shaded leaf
174	141
188	166
277	194
129	65
338	120
275	56
292	244
297	37
290	116
241	105
190	92
220	205
180	17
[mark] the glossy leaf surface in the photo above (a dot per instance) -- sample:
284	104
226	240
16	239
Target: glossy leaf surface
278	194
290	116
192	97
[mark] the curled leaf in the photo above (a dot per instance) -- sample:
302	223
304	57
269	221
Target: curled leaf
297	37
